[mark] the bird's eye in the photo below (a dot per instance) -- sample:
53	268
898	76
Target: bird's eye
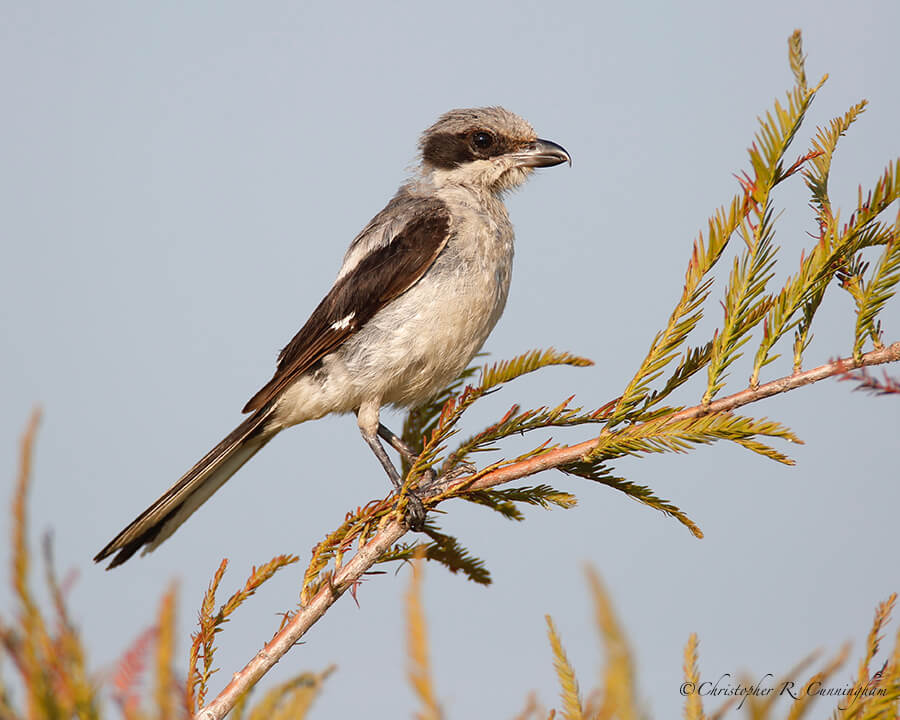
482	140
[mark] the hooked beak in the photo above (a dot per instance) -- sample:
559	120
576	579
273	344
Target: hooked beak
542	153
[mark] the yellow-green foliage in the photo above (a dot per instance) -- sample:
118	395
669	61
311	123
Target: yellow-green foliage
50	661
46	653
568	684
637	423
616	697
291	700
417	644
53	674
437	421
203	641
871	695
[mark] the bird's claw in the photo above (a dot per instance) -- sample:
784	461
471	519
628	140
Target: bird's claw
429	477
415	508
415	513
461	469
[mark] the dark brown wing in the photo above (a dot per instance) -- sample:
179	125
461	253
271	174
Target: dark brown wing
377	279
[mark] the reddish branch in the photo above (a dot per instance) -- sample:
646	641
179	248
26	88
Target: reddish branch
868	383
350	573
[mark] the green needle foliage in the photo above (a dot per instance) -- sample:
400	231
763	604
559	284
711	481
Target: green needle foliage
443	422
746	301
637	422
437	423
211	623
872	294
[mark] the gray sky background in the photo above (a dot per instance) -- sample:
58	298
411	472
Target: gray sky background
179	183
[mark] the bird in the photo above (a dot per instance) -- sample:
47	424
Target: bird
419	290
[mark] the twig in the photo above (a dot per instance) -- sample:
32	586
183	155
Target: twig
368	555
574	453
867	383
273	651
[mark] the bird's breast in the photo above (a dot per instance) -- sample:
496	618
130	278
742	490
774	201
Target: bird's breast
422	340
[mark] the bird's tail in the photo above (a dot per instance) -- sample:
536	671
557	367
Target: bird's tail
197	485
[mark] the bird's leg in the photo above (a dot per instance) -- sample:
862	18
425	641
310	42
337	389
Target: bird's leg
367	419
406	451
397	443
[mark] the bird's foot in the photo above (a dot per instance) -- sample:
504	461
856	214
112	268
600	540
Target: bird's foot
427	481
461	469
415	512
415	508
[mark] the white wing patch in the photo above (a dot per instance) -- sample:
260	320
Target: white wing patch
343	323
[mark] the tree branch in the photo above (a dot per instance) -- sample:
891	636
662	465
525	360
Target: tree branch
350	573
574	453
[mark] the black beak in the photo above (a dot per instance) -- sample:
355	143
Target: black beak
542	153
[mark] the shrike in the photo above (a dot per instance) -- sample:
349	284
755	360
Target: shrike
420	289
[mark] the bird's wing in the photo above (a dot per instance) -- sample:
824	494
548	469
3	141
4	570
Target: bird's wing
379	277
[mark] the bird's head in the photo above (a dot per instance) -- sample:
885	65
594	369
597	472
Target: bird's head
486	148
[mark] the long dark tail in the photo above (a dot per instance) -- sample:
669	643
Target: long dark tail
197	485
